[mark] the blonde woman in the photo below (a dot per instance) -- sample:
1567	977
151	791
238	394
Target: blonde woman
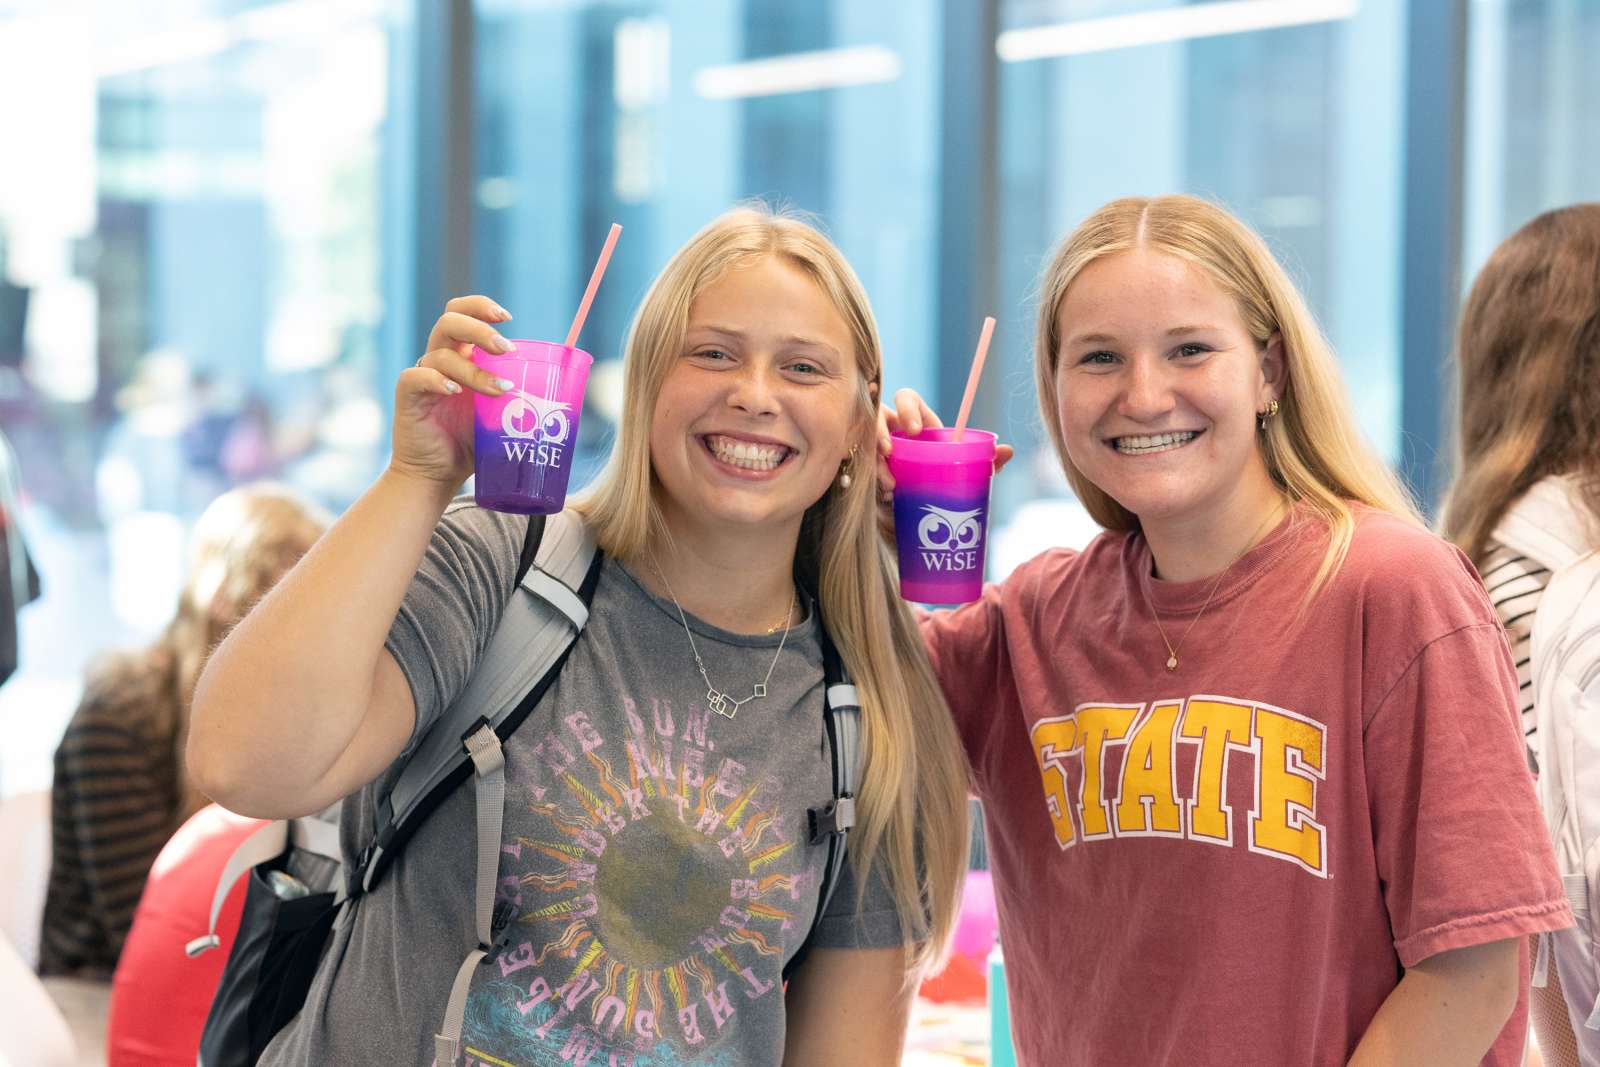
120	786
733	533
1529	416
1278	812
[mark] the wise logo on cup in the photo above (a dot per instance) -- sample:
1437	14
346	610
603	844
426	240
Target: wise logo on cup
523	439
941	513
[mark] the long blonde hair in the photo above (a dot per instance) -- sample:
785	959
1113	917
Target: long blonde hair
913	798
1313	448
1528	361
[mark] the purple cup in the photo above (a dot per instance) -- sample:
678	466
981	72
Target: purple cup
522	439
941	512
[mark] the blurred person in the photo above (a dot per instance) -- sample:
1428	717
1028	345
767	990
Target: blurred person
1278	812
655	835
1527	490
120	786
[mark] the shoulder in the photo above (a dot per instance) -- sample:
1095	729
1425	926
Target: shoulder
1403	572
466	525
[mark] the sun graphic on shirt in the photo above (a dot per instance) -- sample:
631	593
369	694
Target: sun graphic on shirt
666	895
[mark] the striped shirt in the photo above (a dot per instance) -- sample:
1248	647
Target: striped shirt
114	803
1515	584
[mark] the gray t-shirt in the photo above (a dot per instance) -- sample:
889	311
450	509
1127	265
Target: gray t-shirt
654	853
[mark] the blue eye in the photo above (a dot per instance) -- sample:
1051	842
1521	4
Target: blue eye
1193	348
805	367
712	354
1099	358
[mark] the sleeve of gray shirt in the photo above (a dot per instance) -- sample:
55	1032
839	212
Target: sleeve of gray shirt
855	920
454	604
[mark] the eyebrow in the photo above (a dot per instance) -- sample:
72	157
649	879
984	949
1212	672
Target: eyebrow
1105	338
787	339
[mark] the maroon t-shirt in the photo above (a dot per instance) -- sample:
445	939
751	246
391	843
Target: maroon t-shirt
1232	862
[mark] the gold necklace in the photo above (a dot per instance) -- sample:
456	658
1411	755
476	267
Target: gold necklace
1172	652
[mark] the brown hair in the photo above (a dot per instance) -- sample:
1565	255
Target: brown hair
1313	449
1528	370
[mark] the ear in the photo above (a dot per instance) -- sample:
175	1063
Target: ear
1274	368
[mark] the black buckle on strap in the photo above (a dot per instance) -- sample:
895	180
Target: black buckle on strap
837	816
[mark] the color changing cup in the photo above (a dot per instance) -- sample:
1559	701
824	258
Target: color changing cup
523	439
941	512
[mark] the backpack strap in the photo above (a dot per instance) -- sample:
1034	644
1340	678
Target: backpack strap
541	621
833	821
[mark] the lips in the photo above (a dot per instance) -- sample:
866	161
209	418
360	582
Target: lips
745	454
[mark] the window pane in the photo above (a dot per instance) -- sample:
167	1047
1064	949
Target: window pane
189	293
1533	131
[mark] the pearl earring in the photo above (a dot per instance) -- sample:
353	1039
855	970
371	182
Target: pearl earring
844	472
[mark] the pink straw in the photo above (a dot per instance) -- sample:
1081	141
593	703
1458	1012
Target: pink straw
594	283
972	375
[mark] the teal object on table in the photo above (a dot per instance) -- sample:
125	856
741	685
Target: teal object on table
1001	1054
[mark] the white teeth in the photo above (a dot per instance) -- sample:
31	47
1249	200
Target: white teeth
1144	445
747	454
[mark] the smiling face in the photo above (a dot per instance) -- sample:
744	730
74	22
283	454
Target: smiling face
762	405
1158	384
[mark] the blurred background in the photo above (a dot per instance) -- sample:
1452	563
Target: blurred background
226	225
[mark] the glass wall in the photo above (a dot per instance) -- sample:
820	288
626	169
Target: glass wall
1533	130
190	280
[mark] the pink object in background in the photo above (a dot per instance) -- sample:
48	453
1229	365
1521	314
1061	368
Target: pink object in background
963	978
523	439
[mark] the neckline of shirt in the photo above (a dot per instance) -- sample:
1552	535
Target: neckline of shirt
1188	598
800	631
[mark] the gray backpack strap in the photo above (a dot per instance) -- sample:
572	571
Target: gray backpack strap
309	834
838	817
489	785
533	633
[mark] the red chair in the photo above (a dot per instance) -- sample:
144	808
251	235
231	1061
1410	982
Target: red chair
159	996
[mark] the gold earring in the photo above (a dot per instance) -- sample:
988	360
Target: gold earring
844	472
1264	417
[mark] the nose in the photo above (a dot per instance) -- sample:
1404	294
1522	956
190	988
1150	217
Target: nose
1147	392
753	389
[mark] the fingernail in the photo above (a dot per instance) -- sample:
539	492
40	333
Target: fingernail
501	345
504	315
505	383
451	387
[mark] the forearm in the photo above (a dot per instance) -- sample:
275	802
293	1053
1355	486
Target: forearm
285	694
1447	1010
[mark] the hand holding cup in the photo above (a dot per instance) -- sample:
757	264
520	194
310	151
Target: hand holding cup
433	424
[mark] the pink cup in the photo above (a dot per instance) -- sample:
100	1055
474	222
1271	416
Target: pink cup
941	512
523	439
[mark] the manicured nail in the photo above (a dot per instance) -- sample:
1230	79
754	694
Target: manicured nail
502	314
501	345
451	387
505	383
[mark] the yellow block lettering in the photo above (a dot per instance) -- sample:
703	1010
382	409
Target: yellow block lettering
1096	726
1217	725
1053	739
1287	773
1148	800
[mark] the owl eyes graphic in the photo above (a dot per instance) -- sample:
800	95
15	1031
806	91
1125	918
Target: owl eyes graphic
550	420
941	528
